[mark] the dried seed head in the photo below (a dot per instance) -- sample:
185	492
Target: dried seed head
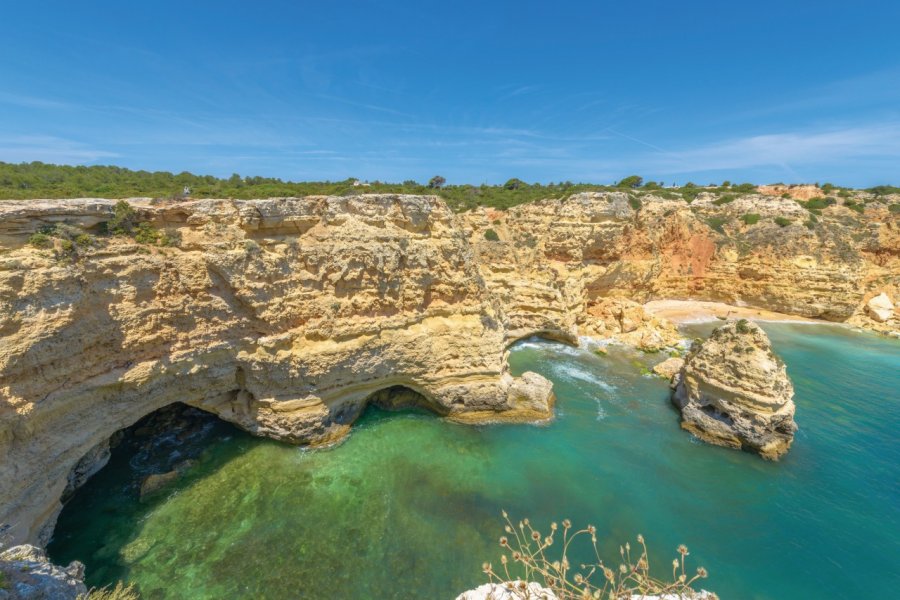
567	523
553	526
503	559
623	569
508	529
517	556
548	541
486	567
701	572
591	529
640	539
682	550
535	535
503	541
578	578
675	563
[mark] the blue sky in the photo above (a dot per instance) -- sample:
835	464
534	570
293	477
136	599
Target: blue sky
475	91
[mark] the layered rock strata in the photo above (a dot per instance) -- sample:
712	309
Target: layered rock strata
733	391
281	316
287	316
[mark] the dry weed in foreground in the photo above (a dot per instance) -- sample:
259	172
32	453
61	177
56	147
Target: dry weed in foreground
119	592
528	549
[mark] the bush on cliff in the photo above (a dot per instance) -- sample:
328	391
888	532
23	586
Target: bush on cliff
783	221
750	218
530	555
491	235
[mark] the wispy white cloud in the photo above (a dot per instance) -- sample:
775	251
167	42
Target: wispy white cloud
27	148
789	149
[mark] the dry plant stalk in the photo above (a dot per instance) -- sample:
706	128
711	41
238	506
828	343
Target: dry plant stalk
528	550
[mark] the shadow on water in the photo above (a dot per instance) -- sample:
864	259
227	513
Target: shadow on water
177	446
409	504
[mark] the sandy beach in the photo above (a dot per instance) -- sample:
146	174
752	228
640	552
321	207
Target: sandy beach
697	311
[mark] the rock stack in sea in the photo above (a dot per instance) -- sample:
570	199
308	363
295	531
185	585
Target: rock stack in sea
733	391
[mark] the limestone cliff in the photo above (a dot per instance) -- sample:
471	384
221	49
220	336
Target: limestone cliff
554	263
733	391
282	316
287	316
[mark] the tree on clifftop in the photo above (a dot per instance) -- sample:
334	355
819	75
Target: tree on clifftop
632	181
436	182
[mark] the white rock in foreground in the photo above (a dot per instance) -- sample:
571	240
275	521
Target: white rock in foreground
511	590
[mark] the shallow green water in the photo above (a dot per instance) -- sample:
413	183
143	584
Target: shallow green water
408	506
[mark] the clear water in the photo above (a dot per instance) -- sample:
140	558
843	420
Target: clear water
409	506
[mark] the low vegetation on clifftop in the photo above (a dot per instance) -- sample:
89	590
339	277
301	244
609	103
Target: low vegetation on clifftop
41	180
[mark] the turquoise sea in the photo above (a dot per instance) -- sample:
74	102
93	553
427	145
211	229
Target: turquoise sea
409	506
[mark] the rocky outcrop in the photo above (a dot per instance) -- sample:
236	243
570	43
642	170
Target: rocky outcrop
733	391
282	316
27	574
288	316
668	368
554	262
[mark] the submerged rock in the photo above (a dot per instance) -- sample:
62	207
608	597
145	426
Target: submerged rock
157	481
734	391
28	574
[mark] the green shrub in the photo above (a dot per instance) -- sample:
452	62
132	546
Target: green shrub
123	220
717	223
855	206
85	240
632	181
743	326
894	208
783	221
40	240
750	218
724	199
491	235
635	203
744	188
145	233
818	203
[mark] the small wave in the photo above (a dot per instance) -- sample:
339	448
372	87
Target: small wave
574	372
601	412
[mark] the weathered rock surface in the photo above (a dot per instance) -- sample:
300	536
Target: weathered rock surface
281	316
29	575
287	316
880	308
668	368
734	391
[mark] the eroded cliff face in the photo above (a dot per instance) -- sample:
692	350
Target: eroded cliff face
282	316
555	264
287	316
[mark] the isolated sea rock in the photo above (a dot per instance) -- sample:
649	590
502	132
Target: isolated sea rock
733	391
28	574
880	308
